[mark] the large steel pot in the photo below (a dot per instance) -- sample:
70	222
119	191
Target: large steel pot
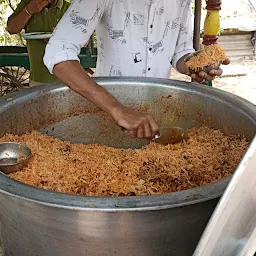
36	222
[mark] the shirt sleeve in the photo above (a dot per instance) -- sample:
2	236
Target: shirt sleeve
185	39
73	31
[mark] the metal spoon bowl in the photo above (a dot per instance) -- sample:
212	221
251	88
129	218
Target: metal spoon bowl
169	135
13	157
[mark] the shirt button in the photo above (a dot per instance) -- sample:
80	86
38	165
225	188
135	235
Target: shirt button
150	49
151	26
149	69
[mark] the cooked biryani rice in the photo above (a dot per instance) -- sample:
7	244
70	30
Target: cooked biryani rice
210	54
98	170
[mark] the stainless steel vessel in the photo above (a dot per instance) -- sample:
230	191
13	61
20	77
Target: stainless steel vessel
35	222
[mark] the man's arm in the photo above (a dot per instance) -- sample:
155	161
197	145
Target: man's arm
61	58
138	124
18	20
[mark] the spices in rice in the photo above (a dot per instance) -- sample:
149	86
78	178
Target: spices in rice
97	170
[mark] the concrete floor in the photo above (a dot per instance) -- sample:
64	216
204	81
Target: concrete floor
243	85
238	78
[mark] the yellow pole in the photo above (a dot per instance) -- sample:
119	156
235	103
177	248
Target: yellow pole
212	22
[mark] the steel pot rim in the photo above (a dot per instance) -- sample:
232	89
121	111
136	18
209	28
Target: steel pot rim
138	203
132	203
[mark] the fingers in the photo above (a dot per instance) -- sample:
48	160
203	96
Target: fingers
136	124
147	131
197	78
226	61
210	76
42	4
154	127
216	72
37	5
140	132
45	3
146	128
205	76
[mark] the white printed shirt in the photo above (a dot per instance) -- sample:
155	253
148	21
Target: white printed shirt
135	37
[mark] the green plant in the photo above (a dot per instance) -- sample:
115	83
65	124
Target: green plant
6	8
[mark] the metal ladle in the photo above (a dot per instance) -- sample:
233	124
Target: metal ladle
13	157
169	135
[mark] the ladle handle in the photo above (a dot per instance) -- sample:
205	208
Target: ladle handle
157	136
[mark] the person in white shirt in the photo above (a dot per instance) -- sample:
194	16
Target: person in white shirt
144	38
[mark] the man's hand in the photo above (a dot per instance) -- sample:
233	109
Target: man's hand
210	76
137	124
37	6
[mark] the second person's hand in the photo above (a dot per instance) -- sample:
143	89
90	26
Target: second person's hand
141	125
209	76
36	6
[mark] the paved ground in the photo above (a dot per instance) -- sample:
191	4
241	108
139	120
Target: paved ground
238	78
